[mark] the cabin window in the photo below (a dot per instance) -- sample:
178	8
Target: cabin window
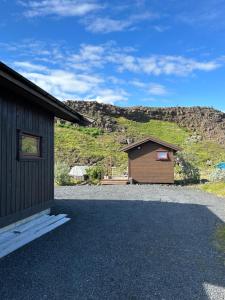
30	146
162	155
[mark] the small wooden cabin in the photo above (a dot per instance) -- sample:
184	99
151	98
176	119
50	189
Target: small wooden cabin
27	145
151	161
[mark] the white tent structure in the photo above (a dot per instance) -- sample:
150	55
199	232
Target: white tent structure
78	172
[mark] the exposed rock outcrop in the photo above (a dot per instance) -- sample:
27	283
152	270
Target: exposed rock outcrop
210	123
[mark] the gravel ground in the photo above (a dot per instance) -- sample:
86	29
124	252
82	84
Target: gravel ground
123	242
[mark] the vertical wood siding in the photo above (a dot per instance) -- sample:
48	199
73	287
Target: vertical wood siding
145	168
24	184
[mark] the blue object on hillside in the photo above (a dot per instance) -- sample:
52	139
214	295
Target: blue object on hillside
220	166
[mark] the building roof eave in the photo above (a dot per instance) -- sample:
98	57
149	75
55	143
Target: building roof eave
13	80
151	139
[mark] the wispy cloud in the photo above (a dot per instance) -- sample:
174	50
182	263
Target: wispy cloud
160	28
57	81
137	83
108	24
151	88
122	59
88	9
165	65
110	96
88	57
30	66
63	8
206	13
70	85
83	73
157	89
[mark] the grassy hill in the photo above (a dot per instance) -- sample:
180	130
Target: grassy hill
94	145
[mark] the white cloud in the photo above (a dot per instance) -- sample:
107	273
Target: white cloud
108	24
157	89
152	88
109	96
29	66
138	84
69	85
95	71
80	8
165	65
63	8
62	84
127	62
161	28
89	56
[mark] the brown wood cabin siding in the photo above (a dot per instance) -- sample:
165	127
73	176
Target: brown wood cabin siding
26	186
145	168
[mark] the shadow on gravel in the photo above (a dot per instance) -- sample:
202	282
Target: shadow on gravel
119	250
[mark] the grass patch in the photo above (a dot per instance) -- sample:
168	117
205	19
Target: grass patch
205	151
90	145
167	131
217	188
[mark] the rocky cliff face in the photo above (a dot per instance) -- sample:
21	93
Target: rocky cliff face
208	122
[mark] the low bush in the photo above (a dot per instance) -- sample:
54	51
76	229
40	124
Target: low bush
92	131
62	174
94	173
74	181
186	170
217	175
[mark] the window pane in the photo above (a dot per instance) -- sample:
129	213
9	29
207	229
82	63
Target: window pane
162	155
30	145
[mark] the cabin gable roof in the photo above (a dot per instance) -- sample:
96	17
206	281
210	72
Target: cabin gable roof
151	139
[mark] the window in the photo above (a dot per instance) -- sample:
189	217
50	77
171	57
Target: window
162	155
29	145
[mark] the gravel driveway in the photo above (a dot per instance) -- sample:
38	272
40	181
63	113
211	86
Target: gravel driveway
123	242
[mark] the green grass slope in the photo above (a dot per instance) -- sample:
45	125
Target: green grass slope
217	188
93	146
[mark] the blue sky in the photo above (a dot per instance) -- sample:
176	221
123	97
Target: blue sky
139	52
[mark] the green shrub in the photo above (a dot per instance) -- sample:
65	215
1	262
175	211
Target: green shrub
186	170
62	174
94	173
94	132
74	181
217	175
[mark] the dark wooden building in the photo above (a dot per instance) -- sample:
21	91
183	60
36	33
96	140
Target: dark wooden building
27	145
151	161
